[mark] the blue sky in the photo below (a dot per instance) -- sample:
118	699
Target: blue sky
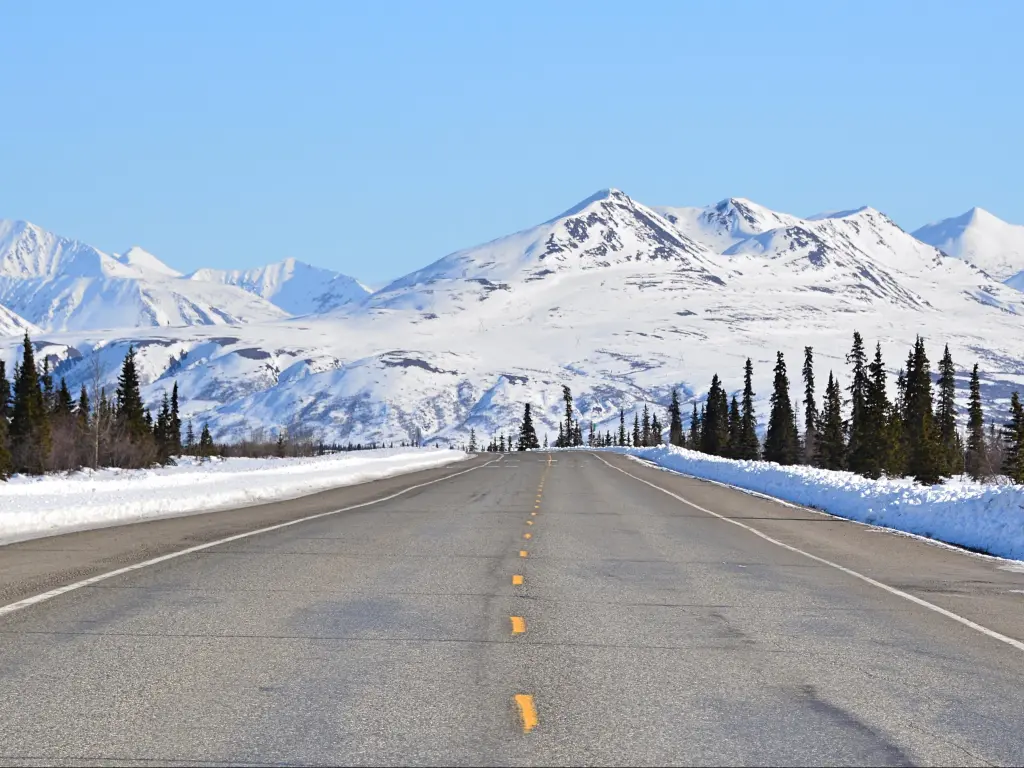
374	138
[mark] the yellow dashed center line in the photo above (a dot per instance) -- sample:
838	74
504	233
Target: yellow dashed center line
527	711
534	514
522	553
517	580
529	522
527	535
518	625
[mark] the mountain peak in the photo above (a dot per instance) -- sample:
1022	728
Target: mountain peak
146	262
979	238
610	193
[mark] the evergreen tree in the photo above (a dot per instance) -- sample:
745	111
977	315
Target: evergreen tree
715	425
130	410
545	440
945	417
622	428
695	430
30	422
636	431
63	405
472	441
735	430
920	434
590	436
655	430
82	410
749	447
569	432
675	420
831	440
810	408
46	381
645	428
174	425
560	441
206	446
527	432
780	443
6	464
1013	464
5	394
501	443
858	459
975	459
876	448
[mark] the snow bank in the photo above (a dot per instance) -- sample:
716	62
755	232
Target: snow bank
988	518
31	507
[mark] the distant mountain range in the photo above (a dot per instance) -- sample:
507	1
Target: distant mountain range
618	300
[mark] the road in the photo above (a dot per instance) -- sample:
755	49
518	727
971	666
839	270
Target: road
563	608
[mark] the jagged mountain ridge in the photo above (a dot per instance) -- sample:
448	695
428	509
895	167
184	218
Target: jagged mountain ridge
609	298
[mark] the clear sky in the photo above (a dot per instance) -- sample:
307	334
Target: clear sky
374	138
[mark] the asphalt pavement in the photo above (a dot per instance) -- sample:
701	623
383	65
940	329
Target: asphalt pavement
534	609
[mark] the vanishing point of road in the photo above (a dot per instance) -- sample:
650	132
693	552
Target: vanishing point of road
540	608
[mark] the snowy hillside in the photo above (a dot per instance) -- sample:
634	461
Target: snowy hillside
610	298
297	288
727	223
15	325
981	239
61	284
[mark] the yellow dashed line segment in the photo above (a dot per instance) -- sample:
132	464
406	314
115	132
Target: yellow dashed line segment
522	553
517	580
527	536
518	625
527	711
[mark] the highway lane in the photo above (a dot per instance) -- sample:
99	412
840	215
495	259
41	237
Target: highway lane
640	630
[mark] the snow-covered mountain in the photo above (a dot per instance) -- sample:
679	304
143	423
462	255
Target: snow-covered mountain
981	239
15	325
63	284
611	297
295	287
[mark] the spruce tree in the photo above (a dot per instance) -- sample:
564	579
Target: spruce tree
63	405
780	443
206	446
472	440
567	397
5	394
675	420
859	459
920	434
30	422
190	440
82	410
715	425
735	430
876	448
975	458
636	431
831	439
645	427
1013	433
695	441
130	410
527	432
560	440
622	428
501	443
175	423
749	447
46	382
945	417
656	429
810	407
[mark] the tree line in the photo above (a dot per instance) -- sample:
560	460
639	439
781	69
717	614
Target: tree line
859	428
43	428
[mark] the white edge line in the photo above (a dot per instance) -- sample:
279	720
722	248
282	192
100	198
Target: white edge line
43	597
892	590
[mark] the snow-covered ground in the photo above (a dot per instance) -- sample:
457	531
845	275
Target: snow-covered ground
31	507
985	517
